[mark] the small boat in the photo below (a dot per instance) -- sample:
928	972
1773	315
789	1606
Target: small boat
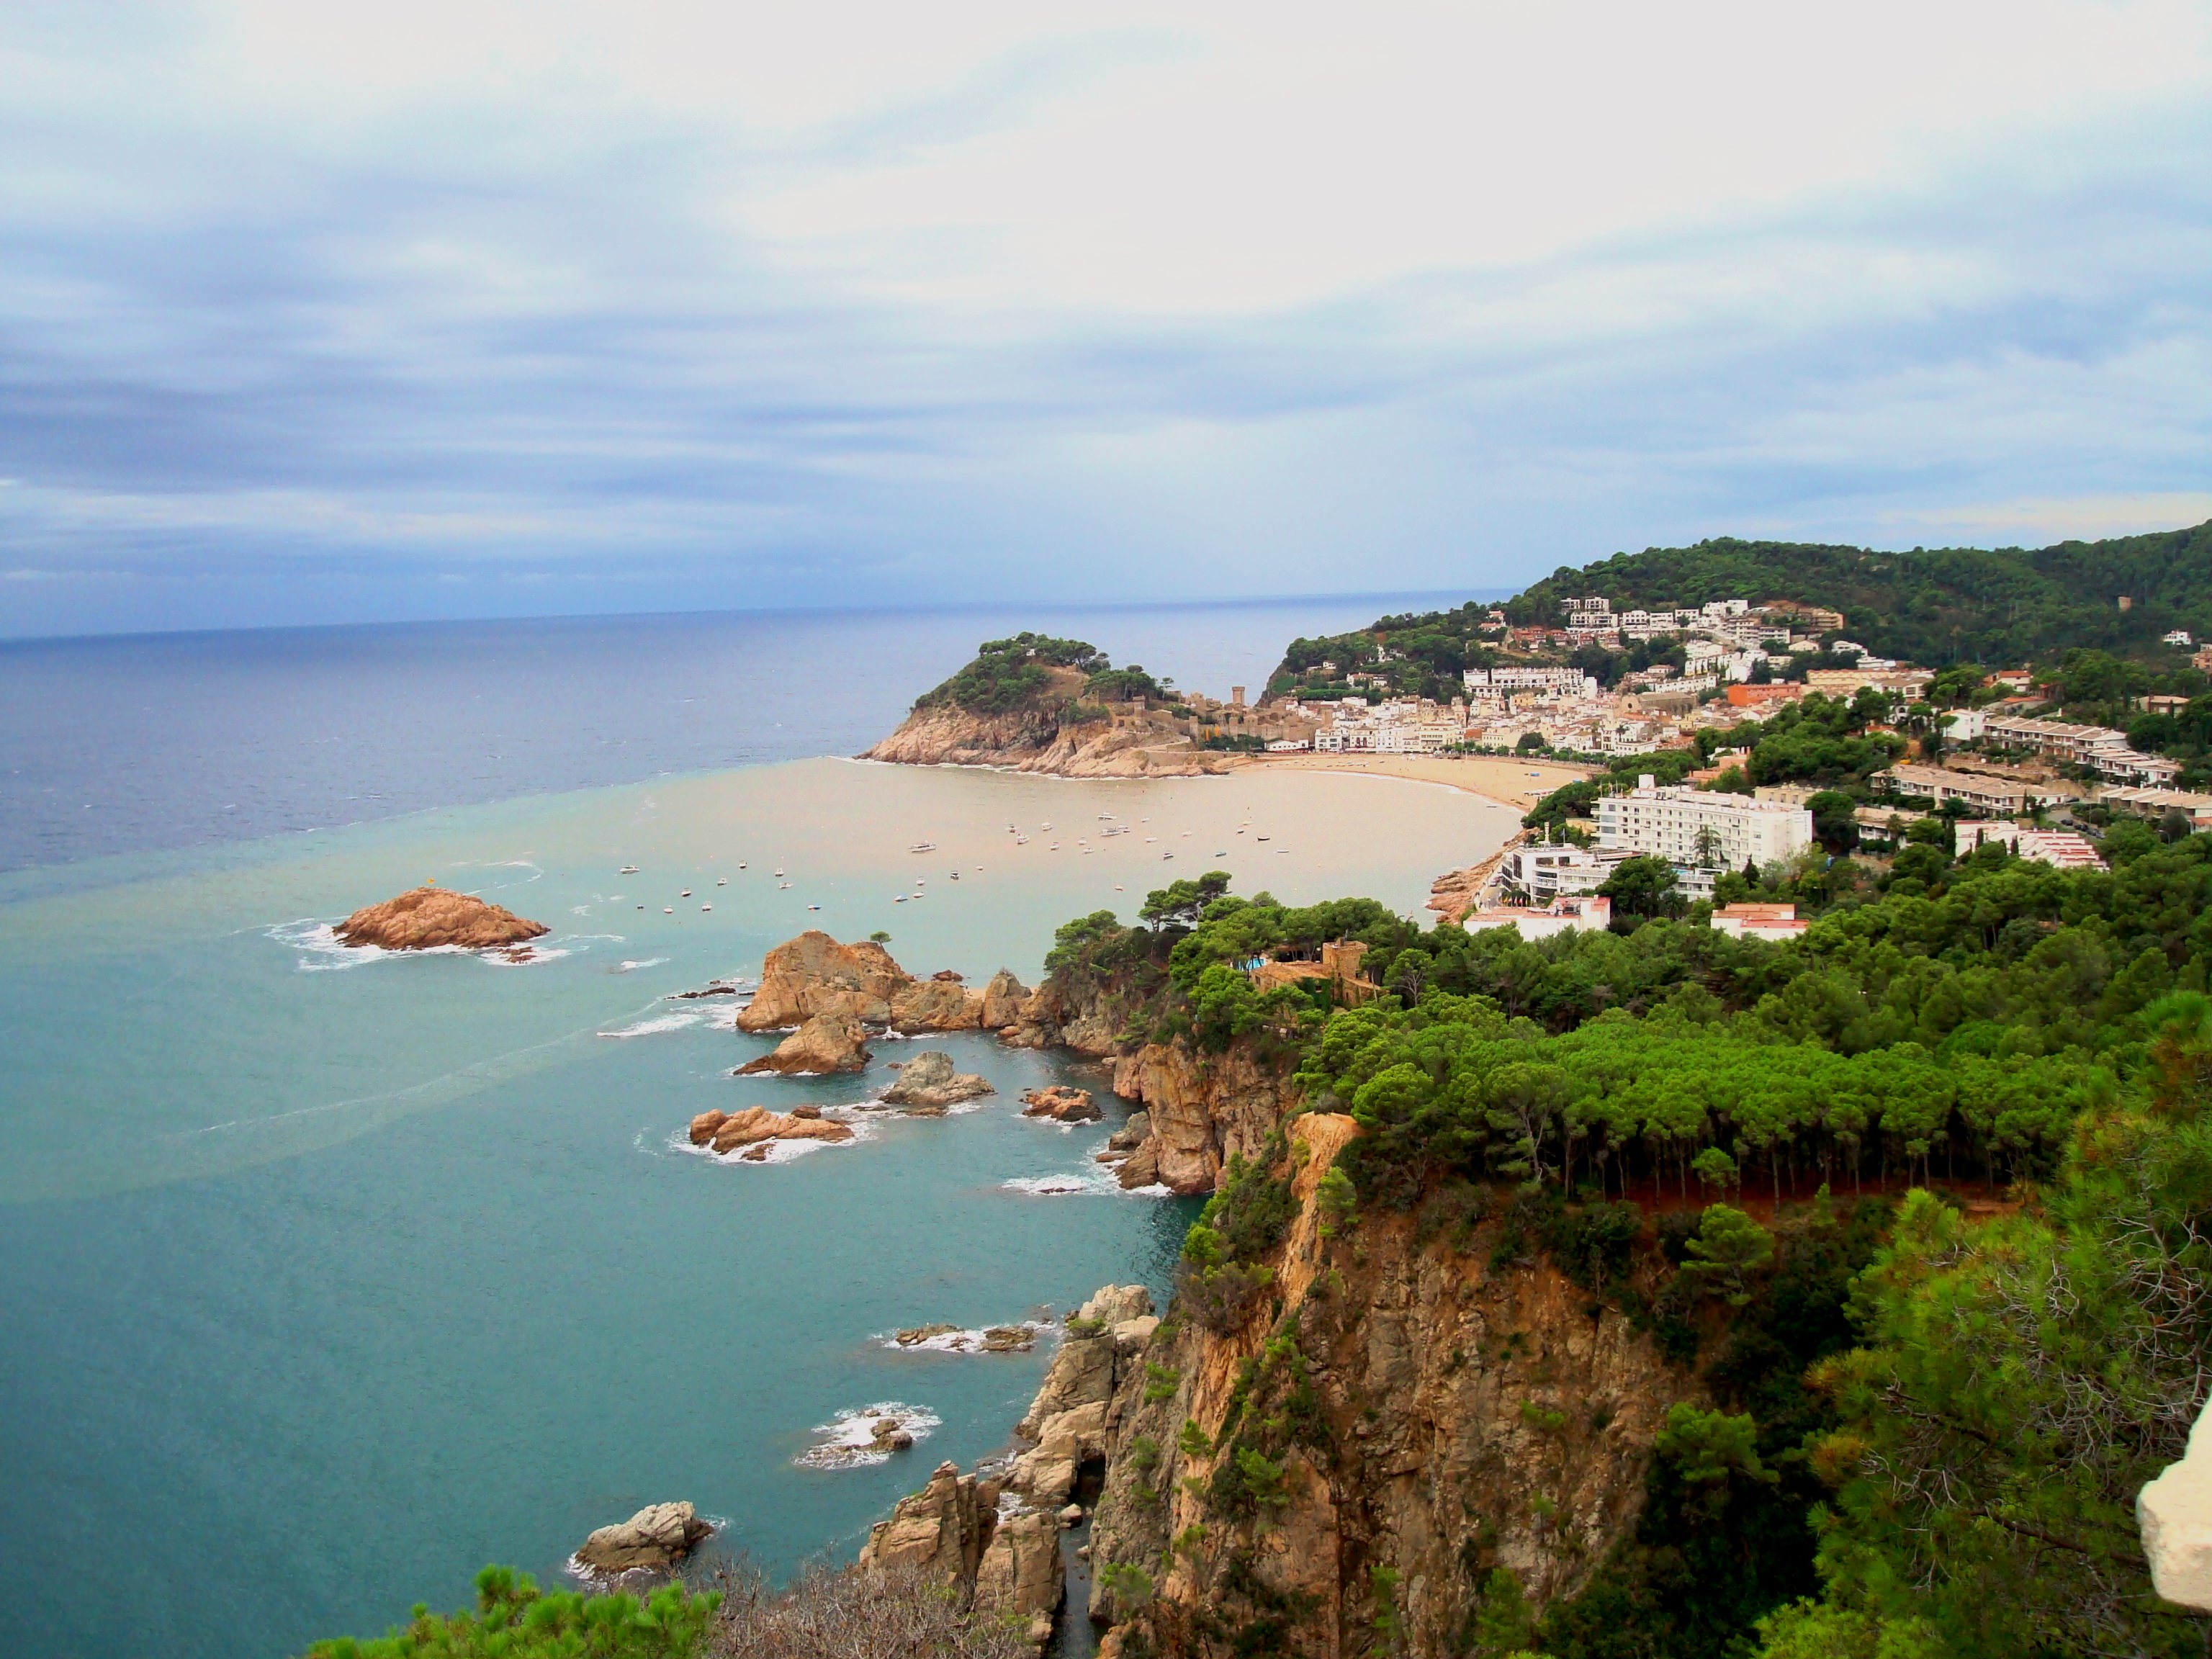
923	847
955	875
782	886
741	863
1167	855
667	909
627	869
1021	841
686	893
640	907
814	907
1047	823
1055	847
723	881
899	898
1263	838
706	907
778	871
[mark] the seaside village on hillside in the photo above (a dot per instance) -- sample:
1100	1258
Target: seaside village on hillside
2007	772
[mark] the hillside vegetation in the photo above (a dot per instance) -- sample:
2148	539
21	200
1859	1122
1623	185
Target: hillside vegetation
1030	672
1934	606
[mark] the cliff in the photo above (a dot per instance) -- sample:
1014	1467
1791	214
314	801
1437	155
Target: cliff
1032	703
1201	1108
1035	740
1364	1451
1389	1445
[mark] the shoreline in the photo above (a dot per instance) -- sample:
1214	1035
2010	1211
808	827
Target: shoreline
1506	781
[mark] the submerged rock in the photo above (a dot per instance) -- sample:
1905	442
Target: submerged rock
429	917
928	1080
655	1538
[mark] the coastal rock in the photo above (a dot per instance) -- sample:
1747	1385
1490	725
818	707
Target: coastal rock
655	1538
1002	1001
928	1080
1201	1111
998	1540
935	1005
826	1042
1141	1168
814	975
939	1530
1132	1133
1060	1102
725	1132
429	917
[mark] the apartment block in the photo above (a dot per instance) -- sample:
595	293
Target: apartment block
1666	822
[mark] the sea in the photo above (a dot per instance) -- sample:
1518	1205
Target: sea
329	1276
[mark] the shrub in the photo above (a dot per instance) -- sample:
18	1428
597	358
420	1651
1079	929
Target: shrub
513	1619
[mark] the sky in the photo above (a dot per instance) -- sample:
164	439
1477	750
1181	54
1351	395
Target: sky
447	308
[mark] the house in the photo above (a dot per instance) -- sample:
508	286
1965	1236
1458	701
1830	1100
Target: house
1589	912
1938	783
2061	848
1778	922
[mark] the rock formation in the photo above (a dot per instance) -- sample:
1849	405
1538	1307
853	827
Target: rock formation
1002	1001
995	1534
826	1042
655	1538
2175	1511
725	1132
1062	1103
429	917
813	975
928	1083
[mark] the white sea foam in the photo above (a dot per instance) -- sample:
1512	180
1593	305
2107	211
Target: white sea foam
649	1027
847	1441
778	1151
724	1018
649	961
1082	1184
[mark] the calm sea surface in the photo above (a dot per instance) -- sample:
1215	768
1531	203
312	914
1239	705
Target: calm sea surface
330	1277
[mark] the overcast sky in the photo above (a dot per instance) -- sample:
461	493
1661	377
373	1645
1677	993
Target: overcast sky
316	312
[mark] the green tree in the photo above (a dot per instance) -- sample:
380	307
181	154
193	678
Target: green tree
1728	1249
1643	888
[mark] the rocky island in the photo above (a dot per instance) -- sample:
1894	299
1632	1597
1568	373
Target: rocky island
430	916
1033	703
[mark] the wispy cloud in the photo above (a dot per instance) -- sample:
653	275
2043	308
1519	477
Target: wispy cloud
308	312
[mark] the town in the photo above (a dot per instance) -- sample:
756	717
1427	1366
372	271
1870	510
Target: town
1984	755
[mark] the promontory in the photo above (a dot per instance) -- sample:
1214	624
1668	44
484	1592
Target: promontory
1033	703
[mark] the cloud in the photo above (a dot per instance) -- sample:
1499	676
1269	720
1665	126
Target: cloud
306	311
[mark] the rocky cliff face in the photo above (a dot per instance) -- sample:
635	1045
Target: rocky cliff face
1034	740
994	1534
1392	1445
1394	1440
1202	1108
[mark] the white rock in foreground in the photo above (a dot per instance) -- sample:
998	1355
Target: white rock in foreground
2176	1513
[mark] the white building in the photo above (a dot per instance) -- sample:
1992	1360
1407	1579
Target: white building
1778	922
2061	848
1589	912
1494	683
1666	823
1542	874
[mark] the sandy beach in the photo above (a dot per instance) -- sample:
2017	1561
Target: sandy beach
1518	782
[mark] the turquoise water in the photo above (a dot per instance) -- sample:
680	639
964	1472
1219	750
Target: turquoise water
331	1278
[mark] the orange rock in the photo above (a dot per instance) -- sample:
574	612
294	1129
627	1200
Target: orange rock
431	916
